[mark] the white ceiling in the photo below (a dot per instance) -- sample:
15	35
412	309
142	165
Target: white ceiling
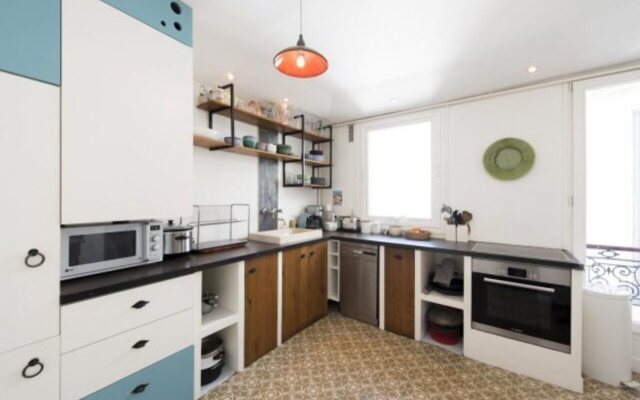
418	52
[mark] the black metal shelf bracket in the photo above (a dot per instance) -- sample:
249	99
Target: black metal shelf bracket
231	108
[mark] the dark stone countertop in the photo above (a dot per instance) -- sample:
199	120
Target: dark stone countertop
97	285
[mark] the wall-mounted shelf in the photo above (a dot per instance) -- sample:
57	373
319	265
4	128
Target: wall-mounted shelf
211	143
235	114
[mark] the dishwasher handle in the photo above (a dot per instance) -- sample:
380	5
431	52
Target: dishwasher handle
363	253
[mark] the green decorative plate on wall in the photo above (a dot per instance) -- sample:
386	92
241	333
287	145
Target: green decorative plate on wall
509	159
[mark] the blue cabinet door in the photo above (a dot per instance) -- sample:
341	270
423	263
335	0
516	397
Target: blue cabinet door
168	379
171	17
30	39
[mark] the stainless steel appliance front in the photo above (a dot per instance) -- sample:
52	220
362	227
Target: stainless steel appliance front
529	303
359	282
92	249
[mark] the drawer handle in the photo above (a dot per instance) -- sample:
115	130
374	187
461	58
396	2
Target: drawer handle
140	388
39	258
397	257
312	253
34	362
303	255
140	344
140	304
252	271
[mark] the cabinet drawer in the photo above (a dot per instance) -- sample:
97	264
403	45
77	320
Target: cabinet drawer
169	379
43	385
94	367
90	321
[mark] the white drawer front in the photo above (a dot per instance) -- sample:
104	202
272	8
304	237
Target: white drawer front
90	321
45	385
91	368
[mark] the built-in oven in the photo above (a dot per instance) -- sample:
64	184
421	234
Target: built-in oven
530	303
92	249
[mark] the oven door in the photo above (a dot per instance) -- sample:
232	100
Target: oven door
533	312
88	250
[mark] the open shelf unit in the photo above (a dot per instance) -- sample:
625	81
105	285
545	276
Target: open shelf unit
333	271
226	321
427	266
234	114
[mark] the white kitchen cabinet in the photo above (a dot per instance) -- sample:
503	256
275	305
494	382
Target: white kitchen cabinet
31	372
29	160
126	117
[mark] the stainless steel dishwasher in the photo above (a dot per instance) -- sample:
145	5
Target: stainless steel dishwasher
359	281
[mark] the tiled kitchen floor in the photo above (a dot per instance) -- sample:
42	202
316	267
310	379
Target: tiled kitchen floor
339	358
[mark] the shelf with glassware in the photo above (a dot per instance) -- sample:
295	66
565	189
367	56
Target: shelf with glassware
316	160
236	145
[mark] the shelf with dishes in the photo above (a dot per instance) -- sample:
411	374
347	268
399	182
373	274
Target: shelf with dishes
213	143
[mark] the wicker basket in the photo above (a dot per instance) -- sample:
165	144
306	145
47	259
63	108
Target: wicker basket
422	235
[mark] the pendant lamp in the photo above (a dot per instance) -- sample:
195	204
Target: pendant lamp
300	61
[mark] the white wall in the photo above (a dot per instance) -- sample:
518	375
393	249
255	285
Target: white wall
530	211
224	178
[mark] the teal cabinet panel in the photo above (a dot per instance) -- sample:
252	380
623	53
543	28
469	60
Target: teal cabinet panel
171	17
168	379
30	39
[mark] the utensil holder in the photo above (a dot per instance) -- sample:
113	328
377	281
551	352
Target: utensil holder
450	233
462	233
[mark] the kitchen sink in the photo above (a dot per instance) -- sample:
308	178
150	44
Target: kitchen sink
286	235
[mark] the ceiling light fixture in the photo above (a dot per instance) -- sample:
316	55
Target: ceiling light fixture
532	69
230	76
300	61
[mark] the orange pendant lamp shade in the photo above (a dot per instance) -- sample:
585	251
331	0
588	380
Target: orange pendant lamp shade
300	61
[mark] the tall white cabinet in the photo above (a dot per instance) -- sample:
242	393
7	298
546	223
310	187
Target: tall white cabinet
29	252
126	117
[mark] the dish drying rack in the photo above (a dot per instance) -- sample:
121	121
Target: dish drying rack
210	226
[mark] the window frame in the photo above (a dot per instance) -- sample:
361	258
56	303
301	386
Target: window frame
436	167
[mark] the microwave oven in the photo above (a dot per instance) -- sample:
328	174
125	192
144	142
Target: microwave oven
93	249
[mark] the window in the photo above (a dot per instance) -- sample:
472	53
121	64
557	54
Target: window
401	171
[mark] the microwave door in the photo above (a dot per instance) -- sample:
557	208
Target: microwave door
87	249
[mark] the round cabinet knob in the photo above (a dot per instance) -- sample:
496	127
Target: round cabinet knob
155	239
34	368
34	258
154	247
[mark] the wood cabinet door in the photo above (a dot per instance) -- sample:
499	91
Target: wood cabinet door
399	290
317	282
260	307
294	296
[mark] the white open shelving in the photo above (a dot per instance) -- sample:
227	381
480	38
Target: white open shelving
225	321
425	266
333	271
217	320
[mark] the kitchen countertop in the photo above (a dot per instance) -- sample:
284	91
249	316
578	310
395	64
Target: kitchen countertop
97	285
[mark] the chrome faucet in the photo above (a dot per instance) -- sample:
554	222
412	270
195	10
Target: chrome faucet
273	211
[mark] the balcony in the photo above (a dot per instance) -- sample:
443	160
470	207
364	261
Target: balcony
614	266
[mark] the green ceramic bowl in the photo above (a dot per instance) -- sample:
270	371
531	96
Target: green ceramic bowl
249	141
509	159
284	149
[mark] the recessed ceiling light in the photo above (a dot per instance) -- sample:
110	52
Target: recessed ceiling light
532	69
393	101
286	100
230	76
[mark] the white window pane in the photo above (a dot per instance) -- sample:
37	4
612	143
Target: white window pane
399	171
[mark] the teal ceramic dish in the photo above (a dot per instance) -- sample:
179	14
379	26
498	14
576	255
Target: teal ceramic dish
249	141
284	149
509	159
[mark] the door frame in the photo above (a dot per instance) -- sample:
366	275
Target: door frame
580	88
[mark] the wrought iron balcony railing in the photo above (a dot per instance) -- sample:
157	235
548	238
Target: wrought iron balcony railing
616	267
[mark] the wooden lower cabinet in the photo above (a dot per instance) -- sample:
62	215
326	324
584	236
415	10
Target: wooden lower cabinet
399	281
304	287
261	307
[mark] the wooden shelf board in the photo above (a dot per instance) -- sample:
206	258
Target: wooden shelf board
443	299
226	373
211	143
317	186
314	163
258	120
217	320
456	348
